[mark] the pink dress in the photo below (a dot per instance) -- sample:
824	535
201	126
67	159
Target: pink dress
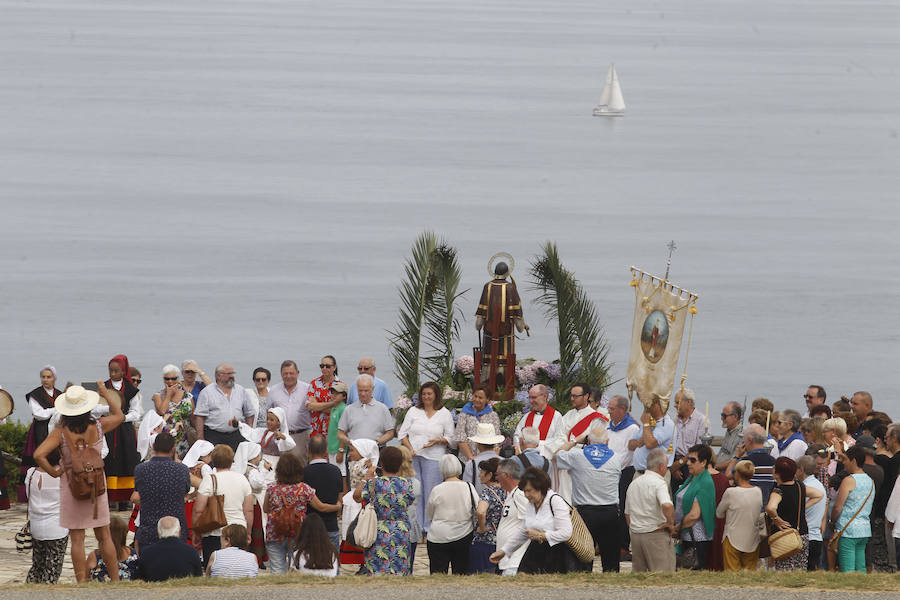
79	514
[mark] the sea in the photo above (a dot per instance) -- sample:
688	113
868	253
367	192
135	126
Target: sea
241	180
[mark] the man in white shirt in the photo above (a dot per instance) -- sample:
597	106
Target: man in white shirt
595	471
815	514
575	424
622	428
291	395
650	515
544	417
512	518
220	406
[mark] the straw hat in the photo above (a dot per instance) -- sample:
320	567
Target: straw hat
76	401
6	404
485	435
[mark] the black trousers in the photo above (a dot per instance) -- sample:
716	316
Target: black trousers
624	482
603	523
815	554
232	439
543	558
442	556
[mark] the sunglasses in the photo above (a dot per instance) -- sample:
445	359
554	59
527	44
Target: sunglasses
726	415
364	368
325	365
260	379
808	397
190	371
136	380
168	379
691	459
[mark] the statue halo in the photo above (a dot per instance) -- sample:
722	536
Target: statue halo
511	262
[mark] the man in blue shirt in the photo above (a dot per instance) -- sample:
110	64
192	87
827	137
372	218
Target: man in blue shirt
381	393
657	431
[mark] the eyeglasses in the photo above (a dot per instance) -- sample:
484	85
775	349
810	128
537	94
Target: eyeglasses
691	459
136	380
361	368
727	415
166	379
190	371
808	396
325	365
576	395
260	379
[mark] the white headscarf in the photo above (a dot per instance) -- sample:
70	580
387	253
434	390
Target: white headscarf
367	448
242	456
282	419
50	368
145	435
199	449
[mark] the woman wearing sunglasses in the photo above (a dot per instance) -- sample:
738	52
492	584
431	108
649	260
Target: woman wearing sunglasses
175	405
695	505
319	400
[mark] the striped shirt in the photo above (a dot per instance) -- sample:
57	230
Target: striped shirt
233	562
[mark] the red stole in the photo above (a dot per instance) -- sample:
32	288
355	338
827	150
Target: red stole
582	425
546	421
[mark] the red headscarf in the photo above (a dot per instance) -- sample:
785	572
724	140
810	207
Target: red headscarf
123	362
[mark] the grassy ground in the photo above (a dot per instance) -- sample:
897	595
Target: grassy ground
759	579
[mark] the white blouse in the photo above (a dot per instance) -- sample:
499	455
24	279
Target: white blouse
43	506
420	430
555	523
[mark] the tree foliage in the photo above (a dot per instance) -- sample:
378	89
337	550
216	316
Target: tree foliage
583	350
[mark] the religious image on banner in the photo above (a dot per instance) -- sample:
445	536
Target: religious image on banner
660	312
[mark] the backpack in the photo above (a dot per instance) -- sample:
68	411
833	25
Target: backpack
545	467
87	479
286	520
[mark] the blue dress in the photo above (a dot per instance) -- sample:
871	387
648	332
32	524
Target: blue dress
391	497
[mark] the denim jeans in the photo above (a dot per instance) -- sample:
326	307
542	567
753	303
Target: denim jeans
335	537
279	556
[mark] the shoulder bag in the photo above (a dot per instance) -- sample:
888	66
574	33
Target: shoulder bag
213	516
833	542
787	542
580	542
364	528
24	539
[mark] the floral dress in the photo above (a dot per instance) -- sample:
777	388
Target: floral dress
391	497
127	568
319	392
495	496
176	419
283	494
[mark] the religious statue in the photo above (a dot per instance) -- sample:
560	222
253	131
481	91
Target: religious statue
498	311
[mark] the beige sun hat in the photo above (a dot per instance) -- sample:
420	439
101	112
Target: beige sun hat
7	404
485	435
76	401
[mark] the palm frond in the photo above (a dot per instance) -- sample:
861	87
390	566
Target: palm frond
583	350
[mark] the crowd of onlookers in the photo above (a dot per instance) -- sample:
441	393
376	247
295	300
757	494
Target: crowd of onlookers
310	477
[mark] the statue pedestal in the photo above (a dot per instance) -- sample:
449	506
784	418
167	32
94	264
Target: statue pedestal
508	373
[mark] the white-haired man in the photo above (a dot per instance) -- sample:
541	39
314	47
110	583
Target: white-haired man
512	519
622	428
530	456
575	423
689	426
367	418
219	407
595	471
380	389
170	557
542	416
650	515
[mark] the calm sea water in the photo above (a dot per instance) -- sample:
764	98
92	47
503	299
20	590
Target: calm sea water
241	180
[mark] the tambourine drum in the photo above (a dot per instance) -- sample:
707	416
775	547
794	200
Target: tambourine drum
6	404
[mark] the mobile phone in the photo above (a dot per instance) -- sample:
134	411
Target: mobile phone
90	385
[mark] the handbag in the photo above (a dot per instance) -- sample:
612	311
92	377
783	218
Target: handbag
787	542
213	516
686	557
833	542
364	528
24	539
581	543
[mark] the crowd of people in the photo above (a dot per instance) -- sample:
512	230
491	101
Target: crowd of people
317	477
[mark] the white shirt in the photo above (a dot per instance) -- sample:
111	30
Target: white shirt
450	508
555	522
512	519
815	512
644	500
43	506
332	572
235	487
568	421
892	511
618	443
591	486
420	430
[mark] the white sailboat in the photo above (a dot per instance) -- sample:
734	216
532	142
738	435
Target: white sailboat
612	103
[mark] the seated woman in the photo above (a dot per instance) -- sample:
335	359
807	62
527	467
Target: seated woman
695	504
233	560
547	524
98	569
314	554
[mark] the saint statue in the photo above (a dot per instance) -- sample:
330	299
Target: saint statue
498	311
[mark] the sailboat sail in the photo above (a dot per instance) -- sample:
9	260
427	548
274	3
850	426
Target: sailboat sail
616	101
604	95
